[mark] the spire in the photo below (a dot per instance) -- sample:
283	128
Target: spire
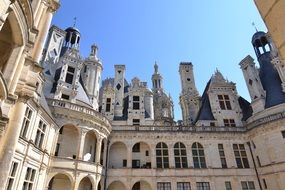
74	21
253	24
155	68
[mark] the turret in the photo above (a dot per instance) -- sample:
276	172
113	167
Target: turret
156	79
91	76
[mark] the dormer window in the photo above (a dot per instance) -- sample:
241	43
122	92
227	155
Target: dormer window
108	105
69	75
224	101
136	102
229	123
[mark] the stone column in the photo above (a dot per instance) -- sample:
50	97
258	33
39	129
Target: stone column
40	42
81	142
98	150
10	140
171	156
153	155
105	153
129	156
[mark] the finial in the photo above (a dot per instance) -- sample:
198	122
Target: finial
155	67
253	24
74	21
94	49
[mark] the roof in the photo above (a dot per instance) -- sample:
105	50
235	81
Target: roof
205	111
270	81
245	107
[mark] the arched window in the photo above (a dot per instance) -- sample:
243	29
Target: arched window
180	155
198	155
162	160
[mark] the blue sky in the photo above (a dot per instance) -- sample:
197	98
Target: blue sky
210	34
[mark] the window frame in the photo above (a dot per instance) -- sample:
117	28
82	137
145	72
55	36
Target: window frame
163	185
198	155
240	156
163	155
69	77
222	156
203	186
180	155
183	186
247	185
26	122
224	102
40	135
136	102
12	176
29	179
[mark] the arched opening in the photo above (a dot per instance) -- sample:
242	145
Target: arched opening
118	155
116	185
59	182
85	184
67	143
162	158
199	159
141	157
180	155
141	185
89	151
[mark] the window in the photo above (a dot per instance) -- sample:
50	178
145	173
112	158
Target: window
12	175
162	160
203	186
247	185
163	186
183	186
222	156
198	156
108	105
136	147
40	134
180	155
124	163
69	75
64	96
224	101
29	179
136	102
229	123
26	122
283	134
136	164
240	155
264	183
228	185
61	130
136	122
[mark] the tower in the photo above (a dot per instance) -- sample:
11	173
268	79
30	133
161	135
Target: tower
189	97
270	78
91	76
251	76
119	89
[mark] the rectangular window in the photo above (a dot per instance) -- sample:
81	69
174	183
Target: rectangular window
163	186
124	163
29	179
229	123
108	105
228	185
247	185
12	175
26	122
136	102
222	156
203	186
240	155
224	101
40	134
183	186
136	122
69	75
136	164
64	96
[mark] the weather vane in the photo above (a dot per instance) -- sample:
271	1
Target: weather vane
253	24
74	21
